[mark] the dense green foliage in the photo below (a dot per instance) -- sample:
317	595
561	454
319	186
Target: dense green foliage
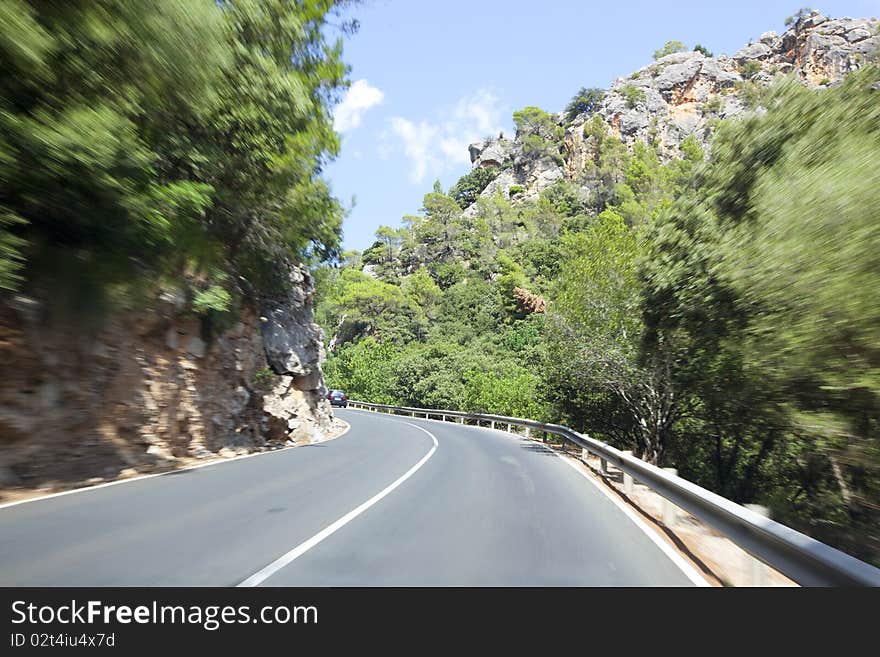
719	315
538	133
170	141
585	101
764	281
469	186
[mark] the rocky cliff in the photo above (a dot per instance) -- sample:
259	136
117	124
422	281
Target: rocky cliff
150	390
682	95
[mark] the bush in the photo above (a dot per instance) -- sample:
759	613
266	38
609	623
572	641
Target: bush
214	299
470	185
263	379
750	69
585	101
703	49
515	190
669	48
802	13
632	95
538	132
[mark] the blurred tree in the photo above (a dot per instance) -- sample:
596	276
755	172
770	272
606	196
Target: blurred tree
172	138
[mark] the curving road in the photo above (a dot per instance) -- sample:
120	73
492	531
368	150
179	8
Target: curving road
394	502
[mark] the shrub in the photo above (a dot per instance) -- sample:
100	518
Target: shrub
585	101
214	299
263	379
538	132
802	13
713	105
470	185
669	48
515	190
632	95
703	49
749	69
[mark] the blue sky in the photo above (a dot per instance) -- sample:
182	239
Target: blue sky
430	77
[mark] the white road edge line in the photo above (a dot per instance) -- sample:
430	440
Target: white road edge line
262	575
128	480
690	572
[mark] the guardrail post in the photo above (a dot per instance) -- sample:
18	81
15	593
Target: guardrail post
584	454
669	513
627	478
493	424
508	427
603	465
443	416
755	567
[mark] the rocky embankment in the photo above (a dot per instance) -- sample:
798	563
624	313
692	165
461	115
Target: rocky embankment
152	390
682	95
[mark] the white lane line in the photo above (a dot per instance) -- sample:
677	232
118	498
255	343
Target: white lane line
128	480
689	571
262	575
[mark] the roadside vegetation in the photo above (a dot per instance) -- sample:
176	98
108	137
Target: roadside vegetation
716	314
165	147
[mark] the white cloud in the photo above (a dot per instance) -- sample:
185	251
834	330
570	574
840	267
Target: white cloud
417	140
435	147
384	149
359	98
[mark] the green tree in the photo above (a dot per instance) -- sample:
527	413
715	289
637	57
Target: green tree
165	140
585	101
669	48
538	132
422	290
764	272
469	186
434	234
632	95
801	14
596	330
364	370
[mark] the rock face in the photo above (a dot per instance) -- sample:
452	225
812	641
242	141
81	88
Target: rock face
294	346
682	92
152	388
529	302
680	95
490	153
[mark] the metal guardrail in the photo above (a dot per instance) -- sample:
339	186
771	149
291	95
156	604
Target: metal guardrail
801	558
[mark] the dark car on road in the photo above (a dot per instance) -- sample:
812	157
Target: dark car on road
337	398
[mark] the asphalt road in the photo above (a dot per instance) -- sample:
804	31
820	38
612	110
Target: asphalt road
395	502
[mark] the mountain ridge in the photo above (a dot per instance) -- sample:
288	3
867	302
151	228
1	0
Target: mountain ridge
684	94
